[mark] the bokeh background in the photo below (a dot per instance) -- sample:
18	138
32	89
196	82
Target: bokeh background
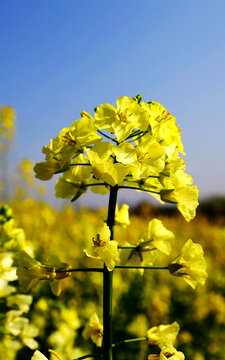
58	58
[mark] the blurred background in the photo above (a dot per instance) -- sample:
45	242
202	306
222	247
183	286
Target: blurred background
59	58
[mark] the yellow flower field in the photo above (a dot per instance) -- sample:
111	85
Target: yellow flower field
140	301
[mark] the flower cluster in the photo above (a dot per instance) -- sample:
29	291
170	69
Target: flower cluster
18	330
133	144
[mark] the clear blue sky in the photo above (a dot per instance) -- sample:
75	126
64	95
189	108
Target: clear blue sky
58	58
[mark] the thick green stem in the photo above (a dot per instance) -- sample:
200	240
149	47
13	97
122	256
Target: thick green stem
107	283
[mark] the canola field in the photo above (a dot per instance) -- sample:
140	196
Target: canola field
40	319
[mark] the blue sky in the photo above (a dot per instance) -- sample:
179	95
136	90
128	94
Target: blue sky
58	58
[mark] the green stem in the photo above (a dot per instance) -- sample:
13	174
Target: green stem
108	137
140	189
129	341
107	283
133	134
142	267
62	170
138	136
84	185
127	247
94	184
136	247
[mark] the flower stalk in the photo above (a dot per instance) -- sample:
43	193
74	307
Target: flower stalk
107	283
130	341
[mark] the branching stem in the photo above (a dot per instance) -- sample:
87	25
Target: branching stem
108	137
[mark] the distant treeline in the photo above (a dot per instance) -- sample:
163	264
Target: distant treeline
213	208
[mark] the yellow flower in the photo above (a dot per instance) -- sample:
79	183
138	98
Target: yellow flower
163	127
163	335
27	336
103	166
7	123
94	330
5	288
31	271
14	323
19	326
26	171
171	353
104	248
7	116
157	236
55	285
69	143
39	356
190	264
122	119
179	191
7	271
70	185
147	157
168	353
82	132
22	301
122	216
54	162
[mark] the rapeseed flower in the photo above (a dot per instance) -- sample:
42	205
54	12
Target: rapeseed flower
163	335
122	119
168	353
104	248
122	216
94	330
190	264
157	236
39	356
178	190
31	271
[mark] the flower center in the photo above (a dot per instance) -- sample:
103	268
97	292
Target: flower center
141	156
124	116
68	138
98	241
